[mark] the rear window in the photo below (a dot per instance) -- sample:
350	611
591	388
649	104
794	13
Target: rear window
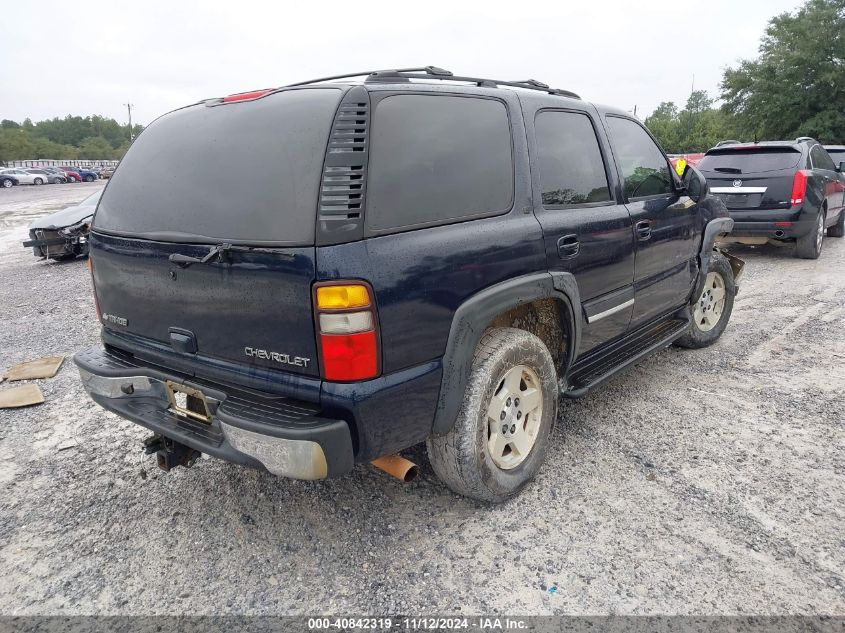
749	161
246	172
435	159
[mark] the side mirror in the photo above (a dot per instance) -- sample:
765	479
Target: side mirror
695	185
841	168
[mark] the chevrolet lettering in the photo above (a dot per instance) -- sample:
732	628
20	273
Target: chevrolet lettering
285	359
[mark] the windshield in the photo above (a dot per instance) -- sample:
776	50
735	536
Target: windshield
748	161
246	172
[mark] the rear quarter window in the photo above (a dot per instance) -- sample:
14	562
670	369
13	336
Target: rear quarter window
436	159
245	172
746	161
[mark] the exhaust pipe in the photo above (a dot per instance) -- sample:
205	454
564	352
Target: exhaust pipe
397	466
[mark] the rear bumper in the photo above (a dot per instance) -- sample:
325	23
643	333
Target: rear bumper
781	224
286	437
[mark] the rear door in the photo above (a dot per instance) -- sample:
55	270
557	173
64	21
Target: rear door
833	187
667	227
586	229
239	177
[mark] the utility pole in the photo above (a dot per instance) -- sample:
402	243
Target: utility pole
129	110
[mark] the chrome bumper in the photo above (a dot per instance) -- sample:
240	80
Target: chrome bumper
283	456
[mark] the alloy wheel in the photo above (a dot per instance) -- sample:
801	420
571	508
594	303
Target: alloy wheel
710	306
514	415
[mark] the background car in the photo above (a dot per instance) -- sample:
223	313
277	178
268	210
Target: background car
72	174
106	172
58	172
63	234
52	178
7	180
26	178
87	175
784	191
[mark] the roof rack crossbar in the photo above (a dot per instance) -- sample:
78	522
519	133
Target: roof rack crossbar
363	74
433	72
481	81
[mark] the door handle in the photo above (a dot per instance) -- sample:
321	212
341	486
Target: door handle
568	246
643	228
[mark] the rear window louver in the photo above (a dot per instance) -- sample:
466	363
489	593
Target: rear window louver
342	187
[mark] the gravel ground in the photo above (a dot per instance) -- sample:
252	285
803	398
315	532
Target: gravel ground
699	482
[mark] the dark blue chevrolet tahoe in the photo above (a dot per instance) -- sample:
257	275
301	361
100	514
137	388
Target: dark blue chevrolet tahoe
415	257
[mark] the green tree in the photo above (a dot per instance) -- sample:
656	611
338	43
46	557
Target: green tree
796	87
696	128
94	148
14	144
663	123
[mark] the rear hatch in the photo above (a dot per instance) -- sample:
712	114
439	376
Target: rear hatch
749	177
234	183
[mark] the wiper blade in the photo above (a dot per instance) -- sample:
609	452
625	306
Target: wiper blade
218	253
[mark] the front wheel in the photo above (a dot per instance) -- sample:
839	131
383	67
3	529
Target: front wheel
38	181
710	312
89	178
7	183
501	434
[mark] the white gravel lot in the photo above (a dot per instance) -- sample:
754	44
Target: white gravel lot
699	482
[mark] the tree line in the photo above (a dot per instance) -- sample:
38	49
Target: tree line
796	87
73	137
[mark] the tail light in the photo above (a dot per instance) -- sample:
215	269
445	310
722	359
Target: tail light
347	331
799	187
247	96
94	290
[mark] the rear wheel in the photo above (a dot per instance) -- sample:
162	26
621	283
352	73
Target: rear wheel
838	229
502	431
810	246
711	311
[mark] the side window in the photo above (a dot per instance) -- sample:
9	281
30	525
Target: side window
644	167
571	167
436	159
821	159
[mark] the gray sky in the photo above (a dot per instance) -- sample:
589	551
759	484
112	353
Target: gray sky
91	58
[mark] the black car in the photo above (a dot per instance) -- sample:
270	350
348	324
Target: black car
7	180
787	191
431	261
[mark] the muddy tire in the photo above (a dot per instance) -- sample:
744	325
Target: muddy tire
501	434
810	246
838	229
710	312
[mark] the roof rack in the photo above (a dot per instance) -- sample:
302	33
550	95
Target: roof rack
801	139
433	72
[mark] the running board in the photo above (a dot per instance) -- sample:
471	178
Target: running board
597	367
